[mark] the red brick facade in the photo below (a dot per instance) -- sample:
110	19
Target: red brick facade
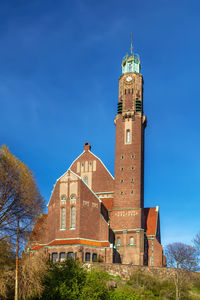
93	216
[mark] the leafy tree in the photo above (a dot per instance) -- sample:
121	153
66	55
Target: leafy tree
19	196
20	201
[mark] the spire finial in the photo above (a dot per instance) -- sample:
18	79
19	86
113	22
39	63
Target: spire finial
131	43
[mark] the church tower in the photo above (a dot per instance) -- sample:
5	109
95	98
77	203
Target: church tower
126	216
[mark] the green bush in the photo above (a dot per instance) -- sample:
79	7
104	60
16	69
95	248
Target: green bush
64	280
96	285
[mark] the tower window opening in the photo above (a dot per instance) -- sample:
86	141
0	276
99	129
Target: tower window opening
132	180
129	91
63	218
138	105
128	136
133	169
73	217
122	169
131	192
131	241
121	193
125	92
121	180
132	91
133	156
120	107
122	157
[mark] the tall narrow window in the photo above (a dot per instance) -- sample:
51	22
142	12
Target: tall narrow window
70	255
128	136
86	179
54	257
94	257
87	256
118	241
63	218
73	217
62	256
131	240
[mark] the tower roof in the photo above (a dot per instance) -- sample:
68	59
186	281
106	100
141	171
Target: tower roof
131	61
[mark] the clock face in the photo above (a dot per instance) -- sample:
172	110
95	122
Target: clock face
129	78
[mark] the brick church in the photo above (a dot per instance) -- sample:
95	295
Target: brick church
94	216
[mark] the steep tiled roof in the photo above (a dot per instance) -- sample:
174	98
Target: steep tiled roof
73	242
150	222
108	202
37	247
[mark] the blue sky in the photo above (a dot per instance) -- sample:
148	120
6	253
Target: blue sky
59	67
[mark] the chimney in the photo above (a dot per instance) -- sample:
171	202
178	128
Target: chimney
87	146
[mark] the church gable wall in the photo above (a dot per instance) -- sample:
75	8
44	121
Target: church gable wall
99	179
65	196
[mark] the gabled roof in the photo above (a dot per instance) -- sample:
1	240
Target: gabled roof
151	220
108	202
70	168
81	180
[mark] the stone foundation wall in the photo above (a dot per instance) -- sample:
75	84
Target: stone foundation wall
125	271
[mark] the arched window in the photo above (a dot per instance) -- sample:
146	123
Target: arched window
73	197
63	198
128	136
94	257
86	179
70	255
63	218
87	256
73	217
130	67
118	241
62	256
131	242
54	257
